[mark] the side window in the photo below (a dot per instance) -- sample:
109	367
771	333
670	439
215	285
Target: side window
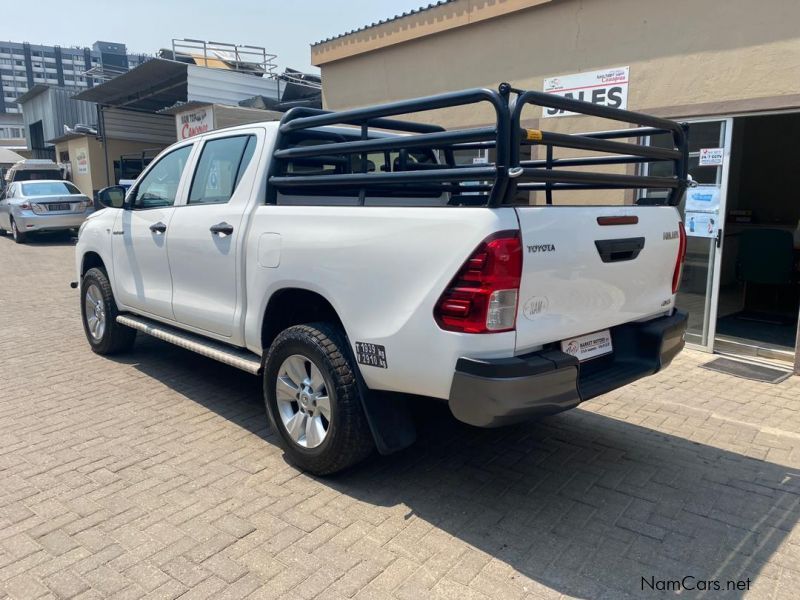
221	165
160	186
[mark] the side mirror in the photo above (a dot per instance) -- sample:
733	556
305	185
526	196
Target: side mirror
112	197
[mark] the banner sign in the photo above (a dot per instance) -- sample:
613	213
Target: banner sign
194	122
608	87
82	162
701	218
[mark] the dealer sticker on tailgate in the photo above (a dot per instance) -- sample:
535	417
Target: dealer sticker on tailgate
588	346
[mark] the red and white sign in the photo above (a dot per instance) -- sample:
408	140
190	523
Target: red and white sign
711	156
608	87
194	122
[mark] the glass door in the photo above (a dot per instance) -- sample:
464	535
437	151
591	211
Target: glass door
703	213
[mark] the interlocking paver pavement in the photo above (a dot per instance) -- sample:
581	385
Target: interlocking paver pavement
154	475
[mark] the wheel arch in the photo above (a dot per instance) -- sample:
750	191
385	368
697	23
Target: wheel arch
295	306
90	260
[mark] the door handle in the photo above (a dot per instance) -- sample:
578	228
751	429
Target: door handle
158	227
221	229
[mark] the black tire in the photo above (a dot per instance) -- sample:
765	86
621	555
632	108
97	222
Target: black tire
348	439
19	237
115	338
3	232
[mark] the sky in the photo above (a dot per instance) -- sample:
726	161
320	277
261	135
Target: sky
283	27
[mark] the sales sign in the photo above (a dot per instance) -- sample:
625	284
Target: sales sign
608	87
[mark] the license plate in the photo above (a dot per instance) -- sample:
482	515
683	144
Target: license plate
58	207
591	345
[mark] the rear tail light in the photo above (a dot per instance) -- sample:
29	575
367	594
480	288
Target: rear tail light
676	275
25	206
482	297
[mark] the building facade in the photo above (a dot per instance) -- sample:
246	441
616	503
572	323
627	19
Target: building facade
24	65
728	68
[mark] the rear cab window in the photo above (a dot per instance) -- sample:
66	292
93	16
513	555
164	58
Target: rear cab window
49	188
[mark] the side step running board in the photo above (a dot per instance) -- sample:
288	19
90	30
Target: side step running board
235	357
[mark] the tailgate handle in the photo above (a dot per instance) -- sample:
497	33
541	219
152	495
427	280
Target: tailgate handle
619	250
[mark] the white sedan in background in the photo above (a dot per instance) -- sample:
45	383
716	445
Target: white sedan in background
42	205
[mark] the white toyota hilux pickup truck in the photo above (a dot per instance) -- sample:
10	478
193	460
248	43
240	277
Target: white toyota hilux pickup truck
353	259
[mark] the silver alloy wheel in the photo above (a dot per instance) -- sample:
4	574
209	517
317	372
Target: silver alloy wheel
95	312
14	230
303	401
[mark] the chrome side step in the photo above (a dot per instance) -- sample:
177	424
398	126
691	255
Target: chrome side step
235	357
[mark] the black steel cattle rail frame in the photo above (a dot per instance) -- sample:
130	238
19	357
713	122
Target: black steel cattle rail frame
507	175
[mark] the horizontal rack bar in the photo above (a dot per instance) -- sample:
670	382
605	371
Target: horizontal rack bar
361	115
625	133
564	140
431	140
561	176
595	110
300	112
583	161
360	179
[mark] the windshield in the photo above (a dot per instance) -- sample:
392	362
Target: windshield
49	188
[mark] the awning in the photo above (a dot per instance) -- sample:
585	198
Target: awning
9	157
152	86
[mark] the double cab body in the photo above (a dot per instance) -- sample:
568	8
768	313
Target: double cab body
352	265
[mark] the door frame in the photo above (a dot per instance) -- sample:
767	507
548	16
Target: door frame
715	271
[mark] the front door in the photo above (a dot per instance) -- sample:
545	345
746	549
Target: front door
206	235
140	235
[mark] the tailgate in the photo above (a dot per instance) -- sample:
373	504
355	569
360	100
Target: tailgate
579	276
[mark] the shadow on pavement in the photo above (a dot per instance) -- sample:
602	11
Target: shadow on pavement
45	238
581	503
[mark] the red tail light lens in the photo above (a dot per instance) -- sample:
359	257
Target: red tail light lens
676	275
482	297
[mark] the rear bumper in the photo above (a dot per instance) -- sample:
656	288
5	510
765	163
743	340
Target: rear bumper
494	392
30	221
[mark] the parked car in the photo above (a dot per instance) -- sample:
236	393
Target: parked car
32	169
351	261
42	205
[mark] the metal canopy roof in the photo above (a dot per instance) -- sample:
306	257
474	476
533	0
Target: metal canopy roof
152	86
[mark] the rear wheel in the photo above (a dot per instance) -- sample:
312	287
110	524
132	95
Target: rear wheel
99	312
18	236
313	399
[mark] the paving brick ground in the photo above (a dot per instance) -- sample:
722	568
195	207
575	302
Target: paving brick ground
155	476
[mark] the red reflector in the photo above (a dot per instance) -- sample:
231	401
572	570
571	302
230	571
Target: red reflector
626	220
676	275
456	308
495	265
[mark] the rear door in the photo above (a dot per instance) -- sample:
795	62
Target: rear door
588	268
206	233
140	233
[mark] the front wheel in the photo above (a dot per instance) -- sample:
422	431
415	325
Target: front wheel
99	312
313	399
